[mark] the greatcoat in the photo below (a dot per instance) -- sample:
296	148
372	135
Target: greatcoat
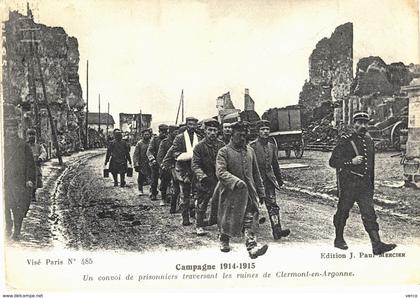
232	166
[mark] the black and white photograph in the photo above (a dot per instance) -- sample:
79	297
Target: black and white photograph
202	145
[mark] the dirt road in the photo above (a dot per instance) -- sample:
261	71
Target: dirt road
81	210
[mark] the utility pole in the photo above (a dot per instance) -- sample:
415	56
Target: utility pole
99	116
107	121
87	105
181	103
52	124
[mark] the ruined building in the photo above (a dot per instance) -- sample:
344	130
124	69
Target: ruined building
249	103
225	106
23	41
330	71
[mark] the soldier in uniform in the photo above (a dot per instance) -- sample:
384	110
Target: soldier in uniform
165	172
354	160
19	178
204	167
240	187
141	163
40	155
117	155
226	133
152	152
182	151
268	165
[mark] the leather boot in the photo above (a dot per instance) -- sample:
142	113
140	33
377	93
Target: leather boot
224	243
254	250
278	232
339	241
173	204
200	223
186	215
378	247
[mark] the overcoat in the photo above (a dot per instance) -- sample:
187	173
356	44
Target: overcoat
268	164
19	167
140	158
232	166
119	153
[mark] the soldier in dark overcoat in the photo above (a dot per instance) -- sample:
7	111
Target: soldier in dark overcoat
354	160
204	167
165	172
152	152
182	151
19	178
118	154
240	187
267	157
140	160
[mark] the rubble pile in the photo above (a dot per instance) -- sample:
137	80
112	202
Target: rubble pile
59	59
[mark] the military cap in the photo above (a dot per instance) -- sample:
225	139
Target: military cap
116	130
361	116
163	127
31	131
240	126
146	130
211	123
172	128
191	119
263	123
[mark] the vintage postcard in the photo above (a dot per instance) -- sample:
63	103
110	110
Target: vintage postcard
210	146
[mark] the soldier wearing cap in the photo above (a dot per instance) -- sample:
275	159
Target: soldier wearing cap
152	152
204	167
40	155
182	151
140	160
226	133
354	160
117	154
268	165
240	187
19	178
166	182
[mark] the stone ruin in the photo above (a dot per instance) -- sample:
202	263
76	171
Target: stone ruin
59	59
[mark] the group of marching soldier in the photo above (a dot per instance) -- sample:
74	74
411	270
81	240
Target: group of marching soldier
200	167
220	174
233	176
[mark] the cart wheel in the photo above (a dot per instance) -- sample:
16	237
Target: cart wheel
299	150
287	151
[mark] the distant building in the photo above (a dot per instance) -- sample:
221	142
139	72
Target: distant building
225	106
134	123
106	122
249	104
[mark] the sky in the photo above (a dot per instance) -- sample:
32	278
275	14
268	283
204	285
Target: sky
143	53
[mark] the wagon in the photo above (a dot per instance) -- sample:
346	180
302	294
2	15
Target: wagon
286	129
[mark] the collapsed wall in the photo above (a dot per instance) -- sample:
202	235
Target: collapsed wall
22	87
330	71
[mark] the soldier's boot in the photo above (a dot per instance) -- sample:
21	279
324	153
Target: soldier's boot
153	197
278	232
122	184
379	247
173	204
192	210
186	215
254	249
163	199
200	223
339	241
224	243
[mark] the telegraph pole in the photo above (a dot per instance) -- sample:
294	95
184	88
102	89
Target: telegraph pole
99	116
107	121
87	105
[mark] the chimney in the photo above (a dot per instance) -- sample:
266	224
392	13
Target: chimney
248	101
